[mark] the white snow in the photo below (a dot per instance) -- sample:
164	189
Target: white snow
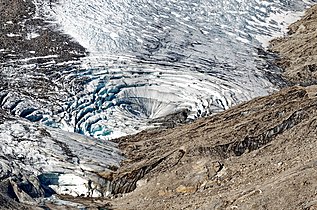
13	35
32	35
37	57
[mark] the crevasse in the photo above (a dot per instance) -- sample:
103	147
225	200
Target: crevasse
149	59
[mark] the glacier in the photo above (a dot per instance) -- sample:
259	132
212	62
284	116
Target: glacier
146	61
149	59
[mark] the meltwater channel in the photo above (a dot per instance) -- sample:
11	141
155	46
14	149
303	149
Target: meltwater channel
148	59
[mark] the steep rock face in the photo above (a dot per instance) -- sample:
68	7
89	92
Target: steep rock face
241	158
39	161
298	50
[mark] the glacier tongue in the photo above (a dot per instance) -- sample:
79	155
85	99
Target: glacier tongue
54	161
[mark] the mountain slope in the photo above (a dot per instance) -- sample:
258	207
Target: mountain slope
258	155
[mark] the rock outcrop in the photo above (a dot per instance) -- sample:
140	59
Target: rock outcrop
258	155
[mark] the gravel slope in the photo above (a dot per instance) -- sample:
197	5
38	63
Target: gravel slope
298	50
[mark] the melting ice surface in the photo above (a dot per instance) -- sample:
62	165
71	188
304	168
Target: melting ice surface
152	58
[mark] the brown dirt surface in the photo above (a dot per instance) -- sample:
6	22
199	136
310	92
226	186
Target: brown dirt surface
258	155
18	21
298	50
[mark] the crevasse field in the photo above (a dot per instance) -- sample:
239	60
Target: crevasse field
148	59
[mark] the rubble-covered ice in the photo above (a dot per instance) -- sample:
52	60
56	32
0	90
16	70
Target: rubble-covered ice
59	161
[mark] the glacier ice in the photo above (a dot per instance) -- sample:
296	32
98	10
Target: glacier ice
149	59
59	161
